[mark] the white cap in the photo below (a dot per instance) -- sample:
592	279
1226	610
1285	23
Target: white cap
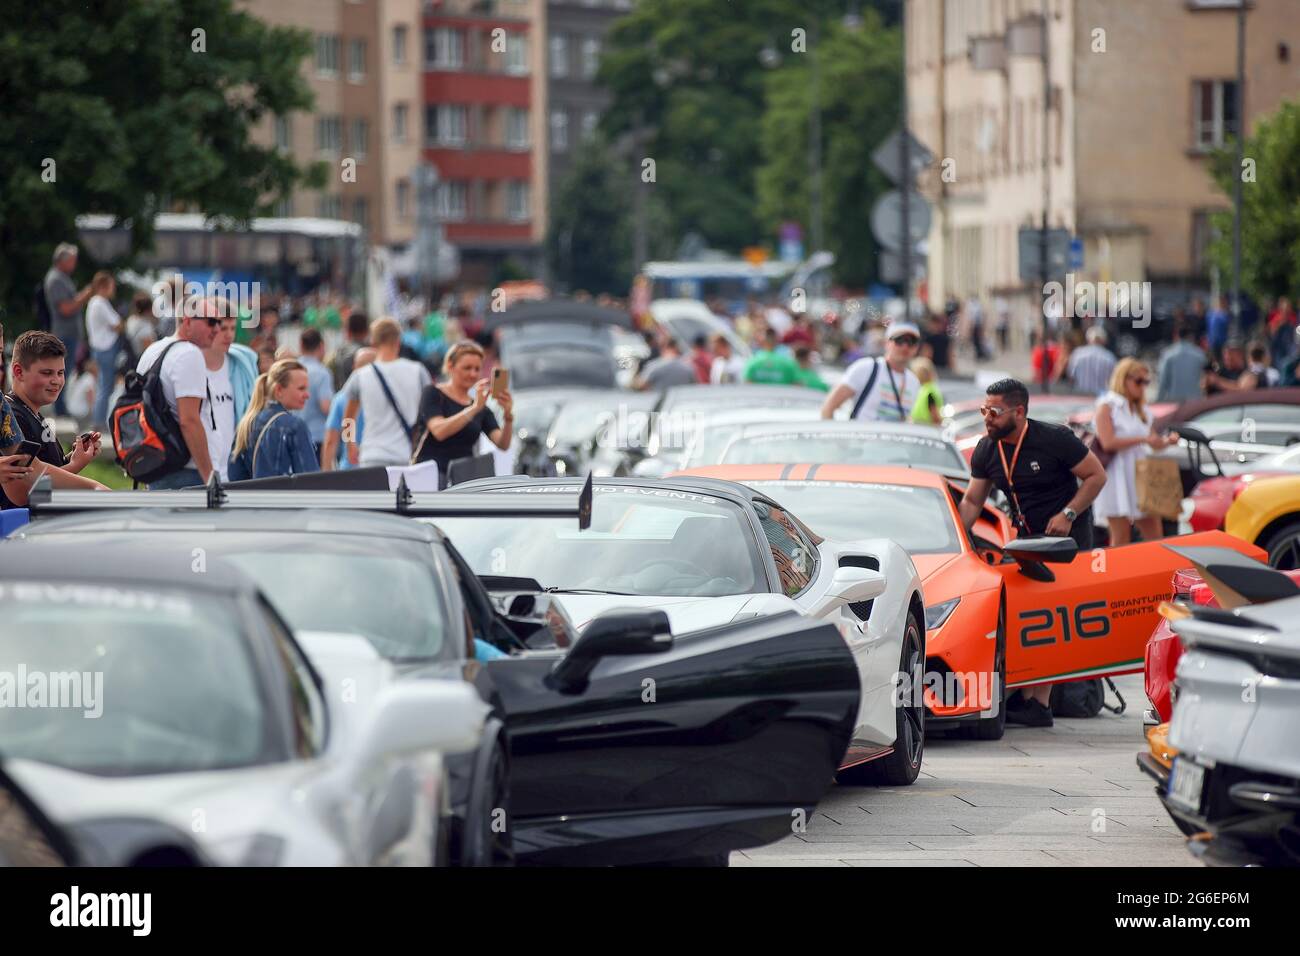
901	328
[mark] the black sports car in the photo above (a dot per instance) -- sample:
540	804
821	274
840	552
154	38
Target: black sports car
623	745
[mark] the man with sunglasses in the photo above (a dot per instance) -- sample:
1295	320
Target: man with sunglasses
882	389
184	377
1050	480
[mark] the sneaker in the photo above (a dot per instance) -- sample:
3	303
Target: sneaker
1031	714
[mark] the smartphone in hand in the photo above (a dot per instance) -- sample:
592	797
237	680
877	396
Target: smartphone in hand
500	381
29	448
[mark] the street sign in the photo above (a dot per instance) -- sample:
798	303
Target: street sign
1076	254
887	219
1031	253
891	267
888	157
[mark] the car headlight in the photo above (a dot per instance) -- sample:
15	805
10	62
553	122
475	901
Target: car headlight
936	614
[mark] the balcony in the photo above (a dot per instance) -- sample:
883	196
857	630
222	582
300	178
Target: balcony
480	162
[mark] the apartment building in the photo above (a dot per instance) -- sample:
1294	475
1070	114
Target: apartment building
1140	93
575	38
365	72
484	103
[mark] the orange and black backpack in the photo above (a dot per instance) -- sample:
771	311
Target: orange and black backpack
146	434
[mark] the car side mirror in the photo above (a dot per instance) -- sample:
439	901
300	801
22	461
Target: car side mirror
411	716
850	585
610	634
1034	554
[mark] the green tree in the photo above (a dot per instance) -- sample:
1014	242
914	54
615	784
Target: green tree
130	108
690	73
859	92
590	240
1270	222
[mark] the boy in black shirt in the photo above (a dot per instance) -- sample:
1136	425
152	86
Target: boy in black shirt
1049	477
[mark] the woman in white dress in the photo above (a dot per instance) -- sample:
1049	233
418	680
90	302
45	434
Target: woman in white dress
1123	427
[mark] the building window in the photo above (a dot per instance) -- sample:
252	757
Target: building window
590	119
329	207
401	113
559	55
444	48
517	201
1203	234
356	60
1214	108
449	201
283	208
329	135
360	138
445	125
399	45
327	55
517	128
403	199
559	131
516	54
590	57
361	212
283	134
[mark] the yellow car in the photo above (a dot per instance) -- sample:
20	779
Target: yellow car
1267	513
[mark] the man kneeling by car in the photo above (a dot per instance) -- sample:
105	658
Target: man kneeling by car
1049	477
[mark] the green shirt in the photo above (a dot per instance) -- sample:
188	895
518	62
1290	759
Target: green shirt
928	395
773	368
810	378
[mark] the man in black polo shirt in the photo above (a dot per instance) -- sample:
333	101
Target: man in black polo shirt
1049	477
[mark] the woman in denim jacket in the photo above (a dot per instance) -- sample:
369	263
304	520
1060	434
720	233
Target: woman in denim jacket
271	440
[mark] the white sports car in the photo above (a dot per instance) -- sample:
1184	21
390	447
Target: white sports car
711	552
164	714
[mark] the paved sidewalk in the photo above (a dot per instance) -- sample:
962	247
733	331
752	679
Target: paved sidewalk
1067	796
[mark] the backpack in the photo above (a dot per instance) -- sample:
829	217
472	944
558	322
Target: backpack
145	431
41	306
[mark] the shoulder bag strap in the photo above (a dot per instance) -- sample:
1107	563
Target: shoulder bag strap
383	383
260	435
862	398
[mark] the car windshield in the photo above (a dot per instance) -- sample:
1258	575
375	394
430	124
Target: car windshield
844	448
642	541
332	582
570	365
917	519
119	680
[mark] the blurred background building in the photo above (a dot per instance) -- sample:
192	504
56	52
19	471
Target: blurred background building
1127	173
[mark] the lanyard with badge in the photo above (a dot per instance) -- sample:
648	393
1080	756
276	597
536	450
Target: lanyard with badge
902	412
1011	484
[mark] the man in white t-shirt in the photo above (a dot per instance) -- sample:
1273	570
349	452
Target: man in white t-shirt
221	393
882	389
387	436
184	377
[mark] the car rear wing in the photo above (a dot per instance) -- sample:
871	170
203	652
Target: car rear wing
44	501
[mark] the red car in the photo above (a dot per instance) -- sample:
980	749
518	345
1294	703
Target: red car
1164	648
1213	497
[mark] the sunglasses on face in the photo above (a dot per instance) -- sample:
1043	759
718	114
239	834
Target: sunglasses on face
1141	381
909	341
992	411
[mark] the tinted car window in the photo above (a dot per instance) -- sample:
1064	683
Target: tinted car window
135	681
794	554
917	519
304	696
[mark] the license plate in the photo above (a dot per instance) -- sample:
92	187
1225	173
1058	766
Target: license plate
1186	782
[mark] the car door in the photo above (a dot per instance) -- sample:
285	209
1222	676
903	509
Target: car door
1095	617
719	743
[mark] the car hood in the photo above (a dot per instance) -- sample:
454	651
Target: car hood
684	613
929	565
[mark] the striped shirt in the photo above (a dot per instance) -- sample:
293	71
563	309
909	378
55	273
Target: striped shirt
1090	367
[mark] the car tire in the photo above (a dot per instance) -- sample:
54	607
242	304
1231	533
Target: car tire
903	766
1283	547
485	843
993	728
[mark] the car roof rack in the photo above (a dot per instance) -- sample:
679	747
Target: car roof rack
43	500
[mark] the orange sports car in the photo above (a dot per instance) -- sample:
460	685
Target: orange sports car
1000	613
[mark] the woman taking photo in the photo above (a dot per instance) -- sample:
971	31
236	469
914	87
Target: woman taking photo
1124	432
269	440
453	418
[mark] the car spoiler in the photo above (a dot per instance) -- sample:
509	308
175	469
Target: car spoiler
43	501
